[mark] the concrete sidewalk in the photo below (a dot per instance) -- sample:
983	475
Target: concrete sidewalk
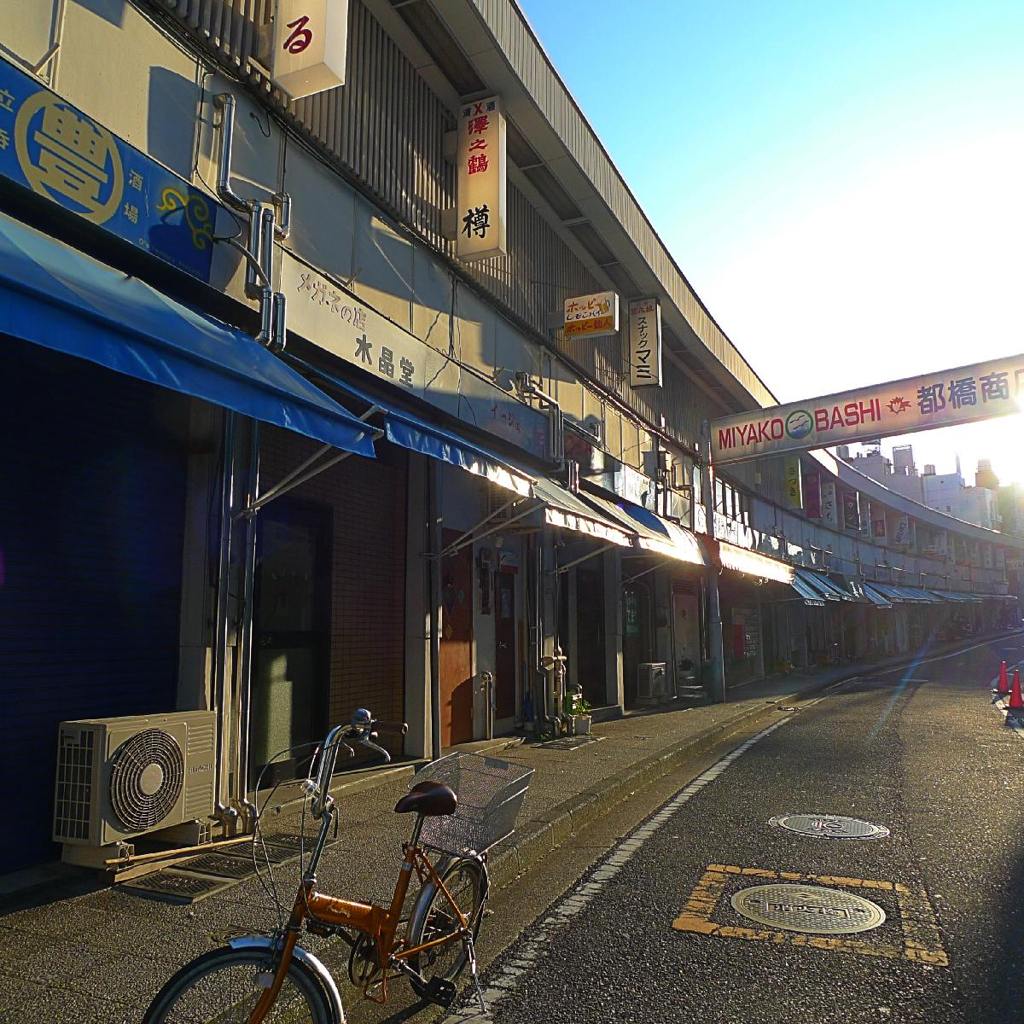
100	956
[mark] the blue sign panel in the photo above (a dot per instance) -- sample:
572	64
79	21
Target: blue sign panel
55	150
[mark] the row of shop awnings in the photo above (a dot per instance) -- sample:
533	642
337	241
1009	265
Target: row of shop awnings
64	300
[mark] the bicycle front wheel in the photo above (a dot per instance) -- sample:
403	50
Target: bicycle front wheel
434	918
223	987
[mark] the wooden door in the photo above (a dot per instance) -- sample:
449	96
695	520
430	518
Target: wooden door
456	656
505	647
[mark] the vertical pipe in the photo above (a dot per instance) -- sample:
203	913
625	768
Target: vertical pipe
716	653
246	626
434	581
222	610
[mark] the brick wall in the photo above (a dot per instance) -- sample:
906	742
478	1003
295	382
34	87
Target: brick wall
368	499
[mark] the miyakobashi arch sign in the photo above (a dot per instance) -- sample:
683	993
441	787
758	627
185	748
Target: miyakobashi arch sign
942	399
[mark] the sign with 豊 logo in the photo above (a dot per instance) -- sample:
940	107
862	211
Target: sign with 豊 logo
481	181
645	343
62	154
591	316
942	399
310	46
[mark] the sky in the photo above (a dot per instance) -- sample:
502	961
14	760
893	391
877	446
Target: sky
840	182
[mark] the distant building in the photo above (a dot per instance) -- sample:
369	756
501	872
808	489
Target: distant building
944	492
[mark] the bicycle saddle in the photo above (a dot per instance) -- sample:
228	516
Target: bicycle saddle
431	799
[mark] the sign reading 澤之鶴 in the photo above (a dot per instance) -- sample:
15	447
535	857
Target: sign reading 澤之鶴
941	399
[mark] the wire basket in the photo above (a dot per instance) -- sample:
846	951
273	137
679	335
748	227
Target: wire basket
490	795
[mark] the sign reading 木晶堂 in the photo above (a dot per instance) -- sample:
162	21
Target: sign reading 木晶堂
645	343
334	319
481	185
591	316
63	155
948	397
310	45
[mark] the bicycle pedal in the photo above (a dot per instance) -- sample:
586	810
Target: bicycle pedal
441	992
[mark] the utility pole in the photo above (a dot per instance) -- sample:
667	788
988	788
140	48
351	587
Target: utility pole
717	657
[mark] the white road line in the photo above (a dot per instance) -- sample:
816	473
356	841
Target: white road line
580	897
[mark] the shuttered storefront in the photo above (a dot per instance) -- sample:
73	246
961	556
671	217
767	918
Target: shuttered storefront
92	493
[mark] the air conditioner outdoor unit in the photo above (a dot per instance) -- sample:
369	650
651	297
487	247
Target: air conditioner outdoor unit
650	682
118	778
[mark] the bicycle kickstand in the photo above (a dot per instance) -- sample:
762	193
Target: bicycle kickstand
471	952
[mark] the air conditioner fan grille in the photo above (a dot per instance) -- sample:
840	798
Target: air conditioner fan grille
147	773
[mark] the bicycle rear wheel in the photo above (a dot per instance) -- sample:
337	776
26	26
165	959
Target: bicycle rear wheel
223	986
433	918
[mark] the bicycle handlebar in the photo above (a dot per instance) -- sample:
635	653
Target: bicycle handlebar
361	730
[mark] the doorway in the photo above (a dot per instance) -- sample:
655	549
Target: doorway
591	654
505	661
290	636
456	654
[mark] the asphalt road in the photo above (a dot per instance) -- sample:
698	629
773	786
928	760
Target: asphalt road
920	751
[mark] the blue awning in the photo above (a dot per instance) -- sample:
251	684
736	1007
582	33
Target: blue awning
410	431
54	296
651	532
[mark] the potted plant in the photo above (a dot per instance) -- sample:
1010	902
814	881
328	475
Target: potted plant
581	720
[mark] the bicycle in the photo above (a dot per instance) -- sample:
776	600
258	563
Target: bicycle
258	978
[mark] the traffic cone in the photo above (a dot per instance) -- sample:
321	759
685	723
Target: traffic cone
1015	707
1004	683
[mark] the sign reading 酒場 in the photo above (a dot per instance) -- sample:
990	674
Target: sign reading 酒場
645	343
52	148
591	316
962	395
482	180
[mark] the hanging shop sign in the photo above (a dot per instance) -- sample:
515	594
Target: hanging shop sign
793	484
851	510
310	46
482	180
878	523
946	398
591	316
645	343
812	494
902	530
334	319
829	508
53	149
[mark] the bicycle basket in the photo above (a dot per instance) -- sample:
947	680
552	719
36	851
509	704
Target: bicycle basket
490	795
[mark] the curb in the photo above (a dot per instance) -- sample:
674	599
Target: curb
558	823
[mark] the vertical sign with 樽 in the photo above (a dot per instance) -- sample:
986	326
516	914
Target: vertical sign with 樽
645	343
310	46
793	484
481	180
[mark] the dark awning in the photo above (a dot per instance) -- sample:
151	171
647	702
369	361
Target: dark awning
57	297
410	431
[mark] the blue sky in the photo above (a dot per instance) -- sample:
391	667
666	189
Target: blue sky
841	182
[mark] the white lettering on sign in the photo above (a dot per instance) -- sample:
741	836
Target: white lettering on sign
963	395
310	46
481	185
645	343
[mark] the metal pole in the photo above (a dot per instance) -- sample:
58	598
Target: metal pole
434	589
715	650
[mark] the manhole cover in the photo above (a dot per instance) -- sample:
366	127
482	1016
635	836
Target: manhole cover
829	826
808	908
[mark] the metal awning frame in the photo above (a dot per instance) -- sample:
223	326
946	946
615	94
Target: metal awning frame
471	536
583	558
312	467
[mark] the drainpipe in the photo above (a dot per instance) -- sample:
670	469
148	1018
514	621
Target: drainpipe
716	653
244	702
434	598
223	813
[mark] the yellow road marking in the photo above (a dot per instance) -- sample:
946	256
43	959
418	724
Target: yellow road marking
921	940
